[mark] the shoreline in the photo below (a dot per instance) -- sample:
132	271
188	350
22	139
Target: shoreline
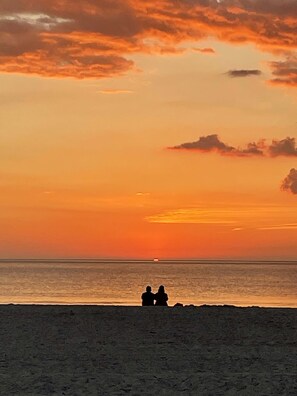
118	350
111	305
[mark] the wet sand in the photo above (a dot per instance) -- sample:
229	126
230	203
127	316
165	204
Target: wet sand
99	350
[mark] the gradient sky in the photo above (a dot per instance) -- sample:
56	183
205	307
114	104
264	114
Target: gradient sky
140	128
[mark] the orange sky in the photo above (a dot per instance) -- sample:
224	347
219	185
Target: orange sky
142	129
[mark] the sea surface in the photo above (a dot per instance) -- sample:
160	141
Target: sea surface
108	282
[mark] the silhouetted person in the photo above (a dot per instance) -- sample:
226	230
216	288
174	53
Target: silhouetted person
161	297
148	297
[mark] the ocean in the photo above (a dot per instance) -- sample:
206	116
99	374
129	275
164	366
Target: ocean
107	282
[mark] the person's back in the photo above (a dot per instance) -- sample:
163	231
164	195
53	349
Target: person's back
148	297
161	297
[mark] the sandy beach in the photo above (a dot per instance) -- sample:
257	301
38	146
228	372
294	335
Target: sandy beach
101	350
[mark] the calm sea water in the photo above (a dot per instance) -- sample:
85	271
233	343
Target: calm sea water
121	283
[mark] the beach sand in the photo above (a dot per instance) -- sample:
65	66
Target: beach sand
101	350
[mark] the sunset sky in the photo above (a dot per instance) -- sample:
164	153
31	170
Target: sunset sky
141	128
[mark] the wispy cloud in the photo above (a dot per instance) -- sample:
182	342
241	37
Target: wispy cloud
235	218
193	216
285	72
212	143
279	227
115	91
204	50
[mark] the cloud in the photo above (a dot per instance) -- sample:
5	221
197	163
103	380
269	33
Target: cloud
290	182
253	148
285	72
115	91
237	217
205	143
292	226
286	147
204	50
212	143
244	73
194	216
96	39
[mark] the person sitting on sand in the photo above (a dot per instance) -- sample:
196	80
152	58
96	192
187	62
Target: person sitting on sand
148	297
161	297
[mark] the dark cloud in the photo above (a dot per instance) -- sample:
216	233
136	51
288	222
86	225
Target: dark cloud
253	149
205	143
285	72
213	143
91	38
244	73
290	182
286	147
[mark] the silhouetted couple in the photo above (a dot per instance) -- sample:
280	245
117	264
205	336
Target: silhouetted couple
160	297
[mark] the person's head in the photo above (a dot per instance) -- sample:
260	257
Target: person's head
148	289
161	289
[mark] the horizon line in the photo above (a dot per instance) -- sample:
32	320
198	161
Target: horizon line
145	260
